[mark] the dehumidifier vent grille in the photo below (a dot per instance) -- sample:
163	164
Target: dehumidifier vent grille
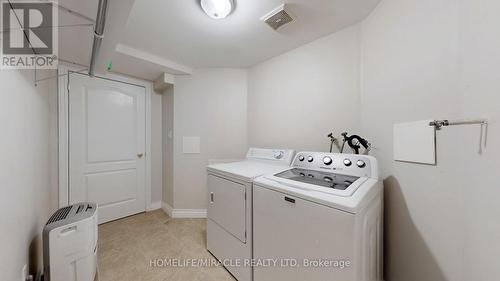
61	214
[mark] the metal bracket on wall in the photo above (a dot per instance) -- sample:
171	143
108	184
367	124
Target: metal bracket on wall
439	124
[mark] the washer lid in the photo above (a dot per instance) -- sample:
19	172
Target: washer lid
318	178
351	200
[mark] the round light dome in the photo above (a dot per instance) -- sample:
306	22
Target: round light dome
217	9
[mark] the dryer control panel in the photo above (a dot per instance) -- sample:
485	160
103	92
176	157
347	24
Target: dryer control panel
282	156
346	164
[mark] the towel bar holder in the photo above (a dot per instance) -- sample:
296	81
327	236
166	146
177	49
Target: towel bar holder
439	124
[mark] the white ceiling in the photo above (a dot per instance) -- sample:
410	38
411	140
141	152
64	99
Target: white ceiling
178	30
76	33
175	36
87	8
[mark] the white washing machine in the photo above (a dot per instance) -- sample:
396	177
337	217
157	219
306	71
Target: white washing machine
319	220
229	223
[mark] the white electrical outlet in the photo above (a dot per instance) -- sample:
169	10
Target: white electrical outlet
24	273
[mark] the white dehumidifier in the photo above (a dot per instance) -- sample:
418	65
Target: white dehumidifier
70	244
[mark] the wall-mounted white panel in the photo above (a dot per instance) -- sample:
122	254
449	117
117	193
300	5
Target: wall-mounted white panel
191	145
415	142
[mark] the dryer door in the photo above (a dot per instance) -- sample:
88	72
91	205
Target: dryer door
227	205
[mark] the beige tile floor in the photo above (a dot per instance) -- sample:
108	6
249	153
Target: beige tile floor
127	246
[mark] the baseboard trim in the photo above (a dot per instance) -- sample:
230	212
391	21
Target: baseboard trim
184	213
189	213
167	208
155	206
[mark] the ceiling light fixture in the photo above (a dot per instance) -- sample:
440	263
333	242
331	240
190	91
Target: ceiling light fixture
217	9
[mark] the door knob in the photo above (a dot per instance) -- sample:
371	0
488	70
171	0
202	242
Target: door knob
140	155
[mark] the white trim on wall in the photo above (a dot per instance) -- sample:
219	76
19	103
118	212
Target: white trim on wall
155	206
62	93
189	213
167	208
184	213
62	134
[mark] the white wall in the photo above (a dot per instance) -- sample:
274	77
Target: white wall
436	59
415	60
210	104
409	59
156	150
479	89
168	145
25	191
295	100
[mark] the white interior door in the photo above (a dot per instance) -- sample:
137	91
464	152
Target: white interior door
107	145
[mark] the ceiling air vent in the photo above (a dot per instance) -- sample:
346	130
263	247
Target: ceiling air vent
277	17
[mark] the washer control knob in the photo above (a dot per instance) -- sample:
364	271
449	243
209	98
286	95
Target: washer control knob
301	158
327	160
278	154
361	163
310	159
347	162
